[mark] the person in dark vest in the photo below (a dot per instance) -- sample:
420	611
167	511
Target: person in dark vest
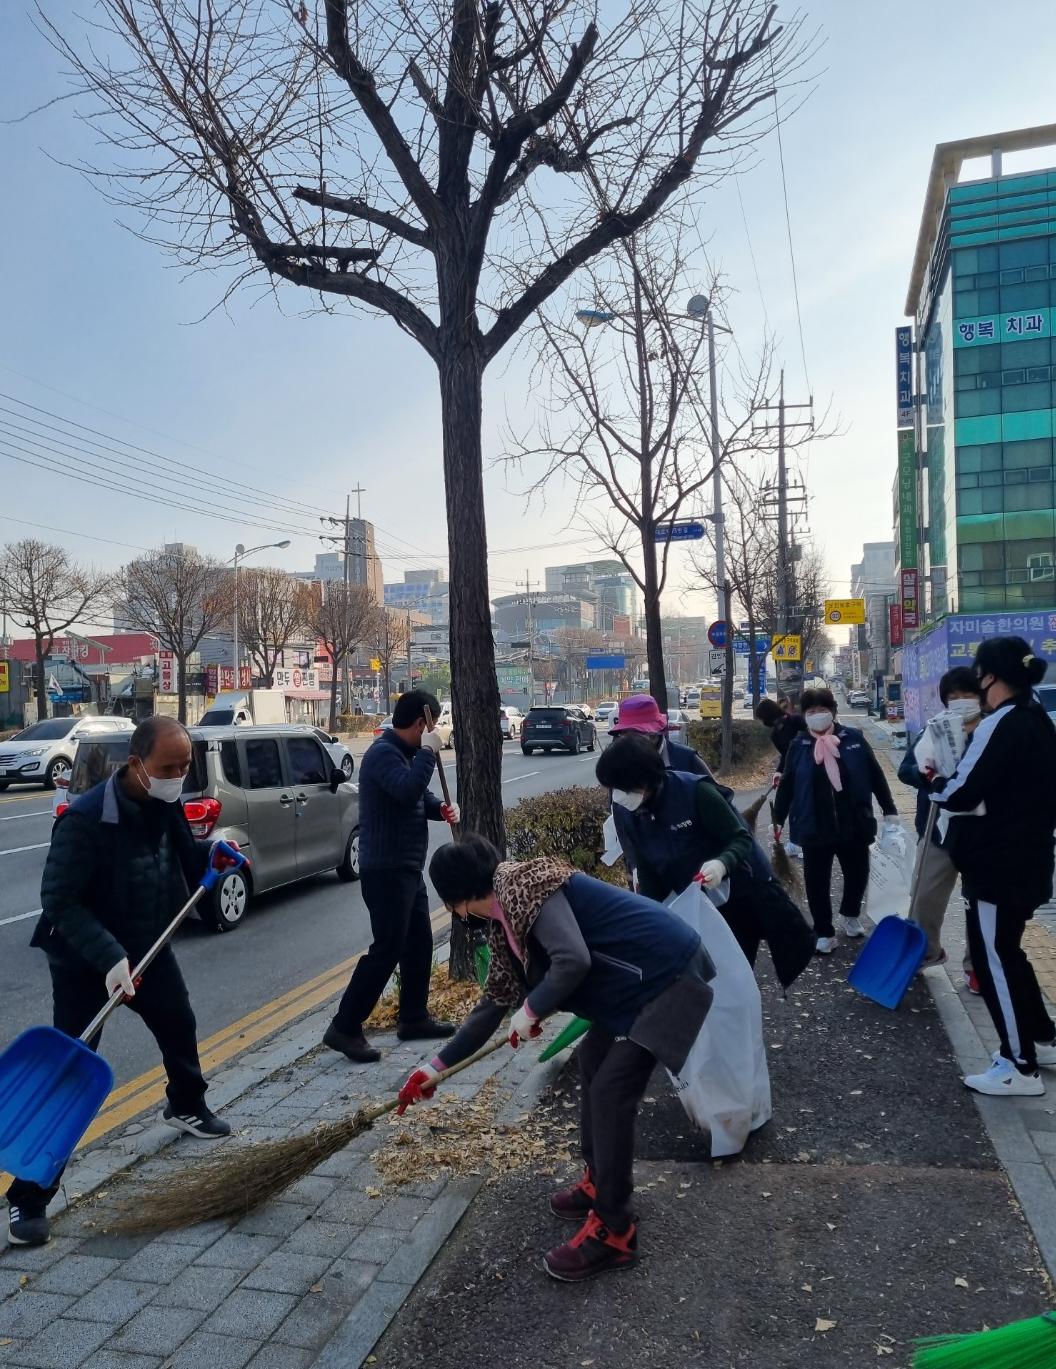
641	713
395	808
674	828
561	940
784	725
121	864
828	784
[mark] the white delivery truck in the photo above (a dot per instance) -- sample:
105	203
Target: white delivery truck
246	706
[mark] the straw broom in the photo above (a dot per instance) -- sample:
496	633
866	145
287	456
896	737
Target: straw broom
236	1183
751	813
783	867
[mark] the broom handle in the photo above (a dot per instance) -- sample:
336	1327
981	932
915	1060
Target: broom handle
929	827
118	996
380	1109
440	772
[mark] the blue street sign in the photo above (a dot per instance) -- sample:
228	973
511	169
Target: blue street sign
606	662
679	532
762	643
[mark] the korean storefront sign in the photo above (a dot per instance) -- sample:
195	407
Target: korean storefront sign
907	499
910	597
982	332
904	363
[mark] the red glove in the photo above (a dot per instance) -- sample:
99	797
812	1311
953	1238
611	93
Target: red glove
417	1088
777	833
777	779
450	812
220	860
523	1025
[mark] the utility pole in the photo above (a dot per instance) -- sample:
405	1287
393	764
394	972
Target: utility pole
410	668
781	497
345	524
529	633
721	582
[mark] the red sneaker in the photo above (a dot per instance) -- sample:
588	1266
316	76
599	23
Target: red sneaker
972	981
594	1249
574	1204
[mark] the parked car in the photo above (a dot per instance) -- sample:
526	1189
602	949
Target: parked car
338	752
445	724
677	722
858	699
379	728
43	752
511	720
562	726
604	711
273	789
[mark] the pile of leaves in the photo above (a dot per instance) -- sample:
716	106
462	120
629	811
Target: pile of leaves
566	823
462	1137
449	1000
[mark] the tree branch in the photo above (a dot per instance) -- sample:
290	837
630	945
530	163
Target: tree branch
359	209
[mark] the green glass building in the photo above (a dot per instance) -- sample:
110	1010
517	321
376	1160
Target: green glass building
983	298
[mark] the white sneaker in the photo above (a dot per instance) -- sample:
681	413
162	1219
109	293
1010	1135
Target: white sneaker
792	849
826	945
1003	1079
1046	1054
852	926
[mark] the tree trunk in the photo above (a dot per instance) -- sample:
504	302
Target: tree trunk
474	689
654	634
726	739
333	691
181	686
41	683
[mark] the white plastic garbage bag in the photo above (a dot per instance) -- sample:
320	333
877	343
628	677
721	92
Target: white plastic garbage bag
890	879
612	851
724	1085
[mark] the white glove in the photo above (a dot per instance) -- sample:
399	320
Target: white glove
892	842
523	1025
431	741
712	872
120	977
450	812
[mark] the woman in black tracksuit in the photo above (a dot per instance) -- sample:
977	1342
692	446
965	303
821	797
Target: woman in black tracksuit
1002	845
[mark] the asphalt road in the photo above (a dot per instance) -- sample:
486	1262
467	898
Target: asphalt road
288	937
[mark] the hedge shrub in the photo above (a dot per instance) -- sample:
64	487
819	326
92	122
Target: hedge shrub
566	823
751	741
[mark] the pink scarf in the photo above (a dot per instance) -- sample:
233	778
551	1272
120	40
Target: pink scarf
826	751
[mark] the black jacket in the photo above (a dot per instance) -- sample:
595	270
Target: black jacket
821	815
395	804
116	875
909	773
1005	855
784	733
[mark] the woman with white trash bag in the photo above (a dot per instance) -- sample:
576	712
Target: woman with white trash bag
1002	843
562	941
827	789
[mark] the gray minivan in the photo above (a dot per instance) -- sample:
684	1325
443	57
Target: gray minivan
273	789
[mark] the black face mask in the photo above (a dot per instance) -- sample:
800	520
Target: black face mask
983	691
476	923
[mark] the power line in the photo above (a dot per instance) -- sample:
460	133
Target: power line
788	226
69	532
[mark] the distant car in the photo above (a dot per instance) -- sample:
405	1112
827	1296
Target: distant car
677	722
607	710
511	720
563	727
338	752
386	722
43	752
1046	696
858	699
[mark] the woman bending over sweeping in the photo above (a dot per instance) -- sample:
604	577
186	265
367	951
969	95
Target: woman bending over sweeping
826	792
562	940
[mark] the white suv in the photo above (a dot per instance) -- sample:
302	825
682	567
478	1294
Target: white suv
43	752
510	720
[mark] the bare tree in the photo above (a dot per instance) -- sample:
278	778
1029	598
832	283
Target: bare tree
48	593
390	648
273	607
396	156
180	596
625	420
343	618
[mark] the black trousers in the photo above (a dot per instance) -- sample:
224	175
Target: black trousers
78	992
853	857
741	916
398	904
613	1077
1007	980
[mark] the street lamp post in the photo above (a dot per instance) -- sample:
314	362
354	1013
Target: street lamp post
240	551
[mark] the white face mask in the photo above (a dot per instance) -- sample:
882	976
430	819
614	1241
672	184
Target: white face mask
820	722
168	791
631	801
965	709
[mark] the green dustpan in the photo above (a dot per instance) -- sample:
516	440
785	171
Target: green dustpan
578	1027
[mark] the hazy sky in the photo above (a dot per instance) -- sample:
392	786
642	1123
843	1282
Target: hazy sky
256	394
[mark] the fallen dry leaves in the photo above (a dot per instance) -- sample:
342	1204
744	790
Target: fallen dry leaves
451	1002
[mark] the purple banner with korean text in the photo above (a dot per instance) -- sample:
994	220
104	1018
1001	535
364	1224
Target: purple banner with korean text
904	364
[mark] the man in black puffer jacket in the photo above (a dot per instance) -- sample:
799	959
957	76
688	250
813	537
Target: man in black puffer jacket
121	864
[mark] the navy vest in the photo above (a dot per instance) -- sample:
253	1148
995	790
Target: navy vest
669	836
637	950
855	765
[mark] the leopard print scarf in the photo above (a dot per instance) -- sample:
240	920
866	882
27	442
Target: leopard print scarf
521	887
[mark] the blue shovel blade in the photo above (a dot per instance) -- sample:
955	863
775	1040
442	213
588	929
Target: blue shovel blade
51	1086
888	961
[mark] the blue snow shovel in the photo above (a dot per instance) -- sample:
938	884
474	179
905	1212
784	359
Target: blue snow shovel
895	952
52	1085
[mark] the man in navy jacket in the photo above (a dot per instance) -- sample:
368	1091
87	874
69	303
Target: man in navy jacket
395	806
